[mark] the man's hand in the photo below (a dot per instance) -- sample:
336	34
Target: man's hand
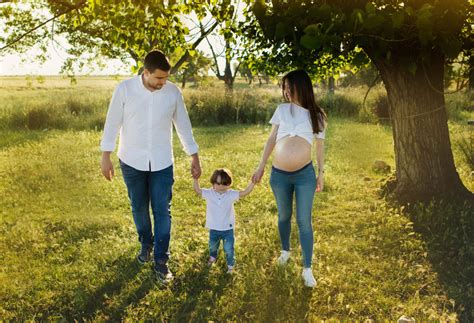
106	166
195	166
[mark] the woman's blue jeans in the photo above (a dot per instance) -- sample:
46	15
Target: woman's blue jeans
155	188
227	237
302	185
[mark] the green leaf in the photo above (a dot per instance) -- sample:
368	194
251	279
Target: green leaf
373	22
281	30
370	8
360	59
397	19
451	46
311	42
313	29
424	24
325	12
358	14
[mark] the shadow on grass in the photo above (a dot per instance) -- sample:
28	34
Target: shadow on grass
121	273
202	290
115	312
130	287
448	230
287	294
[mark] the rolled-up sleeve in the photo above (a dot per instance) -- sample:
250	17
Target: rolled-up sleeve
321	134
183	127
114	120
276	117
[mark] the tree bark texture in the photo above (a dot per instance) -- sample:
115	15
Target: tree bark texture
424	161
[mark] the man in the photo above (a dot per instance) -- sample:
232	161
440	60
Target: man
144	108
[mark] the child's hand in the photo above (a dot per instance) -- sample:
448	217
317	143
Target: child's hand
196	187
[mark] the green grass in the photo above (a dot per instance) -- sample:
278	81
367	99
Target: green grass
68	241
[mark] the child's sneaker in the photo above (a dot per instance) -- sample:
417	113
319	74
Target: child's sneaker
211	261
284	257
230	269
308	278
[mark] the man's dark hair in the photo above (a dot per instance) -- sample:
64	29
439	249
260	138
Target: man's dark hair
156	59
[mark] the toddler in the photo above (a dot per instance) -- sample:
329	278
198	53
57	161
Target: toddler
220	213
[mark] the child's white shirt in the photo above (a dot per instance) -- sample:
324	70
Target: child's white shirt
220	213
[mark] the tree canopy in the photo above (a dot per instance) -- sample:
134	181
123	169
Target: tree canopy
309	34
107	28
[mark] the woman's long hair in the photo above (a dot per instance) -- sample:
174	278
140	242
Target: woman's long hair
301	88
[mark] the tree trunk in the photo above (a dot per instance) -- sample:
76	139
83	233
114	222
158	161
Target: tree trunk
471	73
424	160
228	77
331	85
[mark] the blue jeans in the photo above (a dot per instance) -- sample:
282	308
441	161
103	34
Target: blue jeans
155	188
301	184
227	236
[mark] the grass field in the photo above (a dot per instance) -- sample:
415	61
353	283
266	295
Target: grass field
68	241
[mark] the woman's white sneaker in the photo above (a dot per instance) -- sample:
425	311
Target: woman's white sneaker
308	278
284	257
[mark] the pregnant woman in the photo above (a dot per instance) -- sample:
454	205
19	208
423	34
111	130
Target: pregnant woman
296	125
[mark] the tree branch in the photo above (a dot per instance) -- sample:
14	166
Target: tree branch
195	44
80	4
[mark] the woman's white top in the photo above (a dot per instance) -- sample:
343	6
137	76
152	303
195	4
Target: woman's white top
294	120
220	213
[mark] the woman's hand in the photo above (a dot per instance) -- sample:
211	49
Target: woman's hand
320	183
257	175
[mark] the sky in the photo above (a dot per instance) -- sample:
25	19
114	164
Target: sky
17	65
13	65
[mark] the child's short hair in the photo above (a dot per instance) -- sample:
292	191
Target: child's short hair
224	174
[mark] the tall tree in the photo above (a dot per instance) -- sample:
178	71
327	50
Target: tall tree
194	69
409	42
228	34
108	28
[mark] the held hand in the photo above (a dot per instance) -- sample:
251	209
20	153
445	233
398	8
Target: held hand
320	183
195	168
257	176
107	168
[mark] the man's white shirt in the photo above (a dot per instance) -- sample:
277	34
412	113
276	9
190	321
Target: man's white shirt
145	120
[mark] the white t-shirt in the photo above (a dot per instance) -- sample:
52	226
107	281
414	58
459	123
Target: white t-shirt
220	213
294	120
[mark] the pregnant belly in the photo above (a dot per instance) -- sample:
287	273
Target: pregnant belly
291	153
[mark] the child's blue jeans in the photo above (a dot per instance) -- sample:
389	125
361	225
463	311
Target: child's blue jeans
302	185
227	236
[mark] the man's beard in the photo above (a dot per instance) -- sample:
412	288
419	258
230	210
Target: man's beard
155	87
